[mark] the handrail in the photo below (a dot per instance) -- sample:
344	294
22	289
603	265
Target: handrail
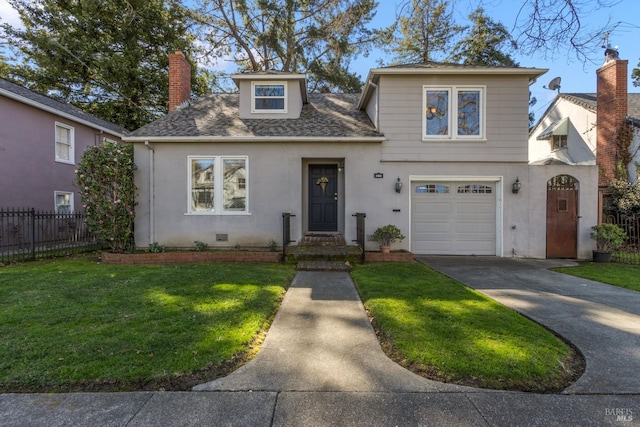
360	235
286	234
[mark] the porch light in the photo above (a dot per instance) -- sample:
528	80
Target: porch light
398	185
515	187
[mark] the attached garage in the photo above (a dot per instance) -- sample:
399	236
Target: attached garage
454	217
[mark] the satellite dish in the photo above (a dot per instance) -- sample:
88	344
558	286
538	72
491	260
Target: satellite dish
554	84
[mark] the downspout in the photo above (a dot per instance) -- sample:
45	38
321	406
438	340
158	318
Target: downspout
152	234
377	118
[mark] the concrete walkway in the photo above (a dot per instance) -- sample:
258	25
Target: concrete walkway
321	365
322	340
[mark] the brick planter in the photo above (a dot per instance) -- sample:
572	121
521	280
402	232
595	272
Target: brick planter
390	257
189	257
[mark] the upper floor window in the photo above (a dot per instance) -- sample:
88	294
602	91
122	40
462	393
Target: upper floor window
63	202
218	184
64	144
269	97
455	112
559	142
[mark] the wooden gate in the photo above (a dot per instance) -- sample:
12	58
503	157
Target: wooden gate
562	217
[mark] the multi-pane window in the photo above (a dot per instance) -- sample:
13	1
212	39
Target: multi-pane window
474	189
269	97
230	193
443	105
63	202
559	142
432	188
64	144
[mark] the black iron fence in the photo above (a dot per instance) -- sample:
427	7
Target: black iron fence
630	253
27	234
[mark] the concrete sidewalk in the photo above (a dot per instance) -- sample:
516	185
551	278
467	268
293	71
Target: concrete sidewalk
321	365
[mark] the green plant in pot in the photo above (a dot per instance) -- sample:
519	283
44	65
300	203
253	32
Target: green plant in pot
386	236
608	237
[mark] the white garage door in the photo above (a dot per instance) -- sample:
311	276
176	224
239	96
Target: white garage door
453	218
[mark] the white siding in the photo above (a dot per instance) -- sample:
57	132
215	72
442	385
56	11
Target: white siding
581	140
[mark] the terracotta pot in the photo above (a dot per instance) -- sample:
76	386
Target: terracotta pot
385	249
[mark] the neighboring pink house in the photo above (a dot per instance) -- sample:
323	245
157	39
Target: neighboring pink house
41	142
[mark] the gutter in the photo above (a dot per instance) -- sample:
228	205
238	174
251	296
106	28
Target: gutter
57	112
152	192
250	139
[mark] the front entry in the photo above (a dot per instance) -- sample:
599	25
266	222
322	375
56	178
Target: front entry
562	217
323	197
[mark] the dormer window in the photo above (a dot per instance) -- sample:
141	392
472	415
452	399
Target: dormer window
269	97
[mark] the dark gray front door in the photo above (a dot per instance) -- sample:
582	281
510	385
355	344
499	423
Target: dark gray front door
323	198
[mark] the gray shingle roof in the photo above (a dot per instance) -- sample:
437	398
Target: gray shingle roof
216	115
64	108
589	101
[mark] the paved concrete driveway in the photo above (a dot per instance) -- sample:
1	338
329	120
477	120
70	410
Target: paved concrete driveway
603	321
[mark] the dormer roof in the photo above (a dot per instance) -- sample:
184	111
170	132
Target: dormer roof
274	75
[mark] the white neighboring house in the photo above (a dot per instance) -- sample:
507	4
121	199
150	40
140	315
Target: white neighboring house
567	132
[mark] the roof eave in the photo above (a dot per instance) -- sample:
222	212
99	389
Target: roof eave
532	73
302	80
57	112
161	139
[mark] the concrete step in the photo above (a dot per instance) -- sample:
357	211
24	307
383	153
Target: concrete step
324	266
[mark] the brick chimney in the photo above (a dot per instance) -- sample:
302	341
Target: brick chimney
179	80
611	112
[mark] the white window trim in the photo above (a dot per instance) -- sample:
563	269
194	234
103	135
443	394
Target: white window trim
218	190
264	83
62	193
72	144
452	112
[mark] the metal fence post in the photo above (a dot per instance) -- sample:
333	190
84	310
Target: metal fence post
32	234
360	235
286	234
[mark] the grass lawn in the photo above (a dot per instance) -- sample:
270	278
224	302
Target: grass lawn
447	331
623	275
74	324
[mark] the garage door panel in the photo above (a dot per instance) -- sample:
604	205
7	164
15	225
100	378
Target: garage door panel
454	223
432	227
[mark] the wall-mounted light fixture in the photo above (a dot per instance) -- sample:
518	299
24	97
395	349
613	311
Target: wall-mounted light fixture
398	185
340	167
515	187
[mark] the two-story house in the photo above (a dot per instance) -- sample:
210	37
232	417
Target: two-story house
41	142
439	150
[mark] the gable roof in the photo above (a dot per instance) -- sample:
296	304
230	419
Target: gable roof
215	117
442	68
63	109
589	101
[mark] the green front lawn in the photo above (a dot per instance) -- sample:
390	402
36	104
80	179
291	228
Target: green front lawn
74	324
447	331
623	275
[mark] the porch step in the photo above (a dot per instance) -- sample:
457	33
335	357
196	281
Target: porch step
322	239
323	266
323	252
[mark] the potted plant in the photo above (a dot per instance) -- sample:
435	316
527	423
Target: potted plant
386	236
608	237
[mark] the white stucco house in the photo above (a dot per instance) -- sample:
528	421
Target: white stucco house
223	168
